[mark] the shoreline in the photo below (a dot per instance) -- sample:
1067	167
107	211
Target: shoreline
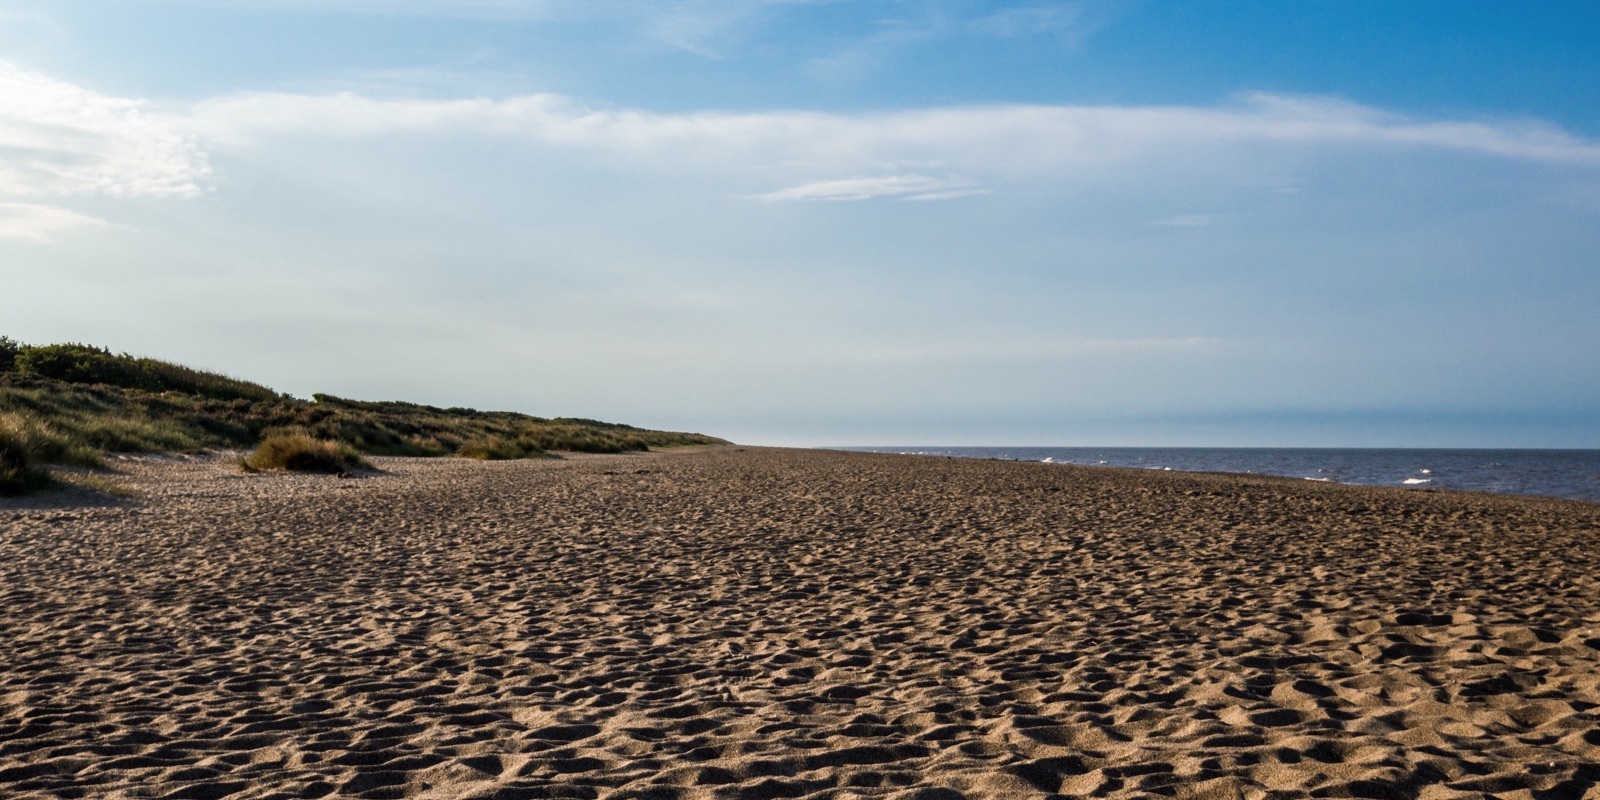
742	622
1270	461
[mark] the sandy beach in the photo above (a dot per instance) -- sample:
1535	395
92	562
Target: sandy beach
757	623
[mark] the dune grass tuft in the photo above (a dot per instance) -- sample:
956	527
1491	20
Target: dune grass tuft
297	452
20	471
499	448
49	444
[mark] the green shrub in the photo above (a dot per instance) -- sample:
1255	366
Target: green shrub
497	448
82	363
19	472
298	452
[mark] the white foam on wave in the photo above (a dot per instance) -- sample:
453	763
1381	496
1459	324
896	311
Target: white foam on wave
1321	480
1415	481
1049	460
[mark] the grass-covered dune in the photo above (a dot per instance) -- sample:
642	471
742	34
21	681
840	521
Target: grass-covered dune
71	403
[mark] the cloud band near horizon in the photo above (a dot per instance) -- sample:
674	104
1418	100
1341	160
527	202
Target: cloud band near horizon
59	140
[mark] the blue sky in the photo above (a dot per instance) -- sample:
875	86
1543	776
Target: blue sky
850	222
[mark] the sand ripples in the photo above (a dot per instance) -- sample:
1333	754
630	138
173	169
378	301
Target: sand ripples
773	624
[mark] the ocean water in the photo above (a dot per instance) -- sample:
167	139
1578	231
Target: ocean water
1570	474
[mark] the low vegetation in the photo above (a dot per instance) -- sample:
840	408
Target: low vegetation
19	471
497	448
297	452
82	363
78	401
45	443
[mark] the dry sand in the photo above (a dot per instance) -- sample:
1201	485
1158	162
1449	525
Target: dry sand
764	623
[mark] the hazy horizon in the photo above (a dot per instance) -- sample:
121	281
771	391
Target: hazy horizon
831	223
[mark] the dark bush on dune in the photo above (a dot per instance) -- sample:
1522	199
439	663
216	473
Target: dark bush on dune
82	363
297	452
8	354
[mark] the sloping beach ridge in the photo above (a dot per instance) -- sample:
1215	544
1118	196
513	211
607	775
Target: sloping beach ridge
753	623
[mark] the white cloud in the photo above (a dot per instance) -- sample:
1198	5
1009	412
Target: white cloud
947	194
1017	139
36	223
1323	120
903	187
59	139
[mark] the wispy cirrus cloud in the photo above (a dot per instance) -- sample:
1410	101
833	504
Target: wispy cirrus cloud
60	139
1022	139
900	187
31	222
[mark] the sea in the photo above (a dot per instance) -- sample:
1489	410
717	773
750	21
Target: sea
1569	474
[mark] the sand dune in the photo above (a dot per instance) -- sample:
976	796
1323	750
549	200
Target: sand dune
747	623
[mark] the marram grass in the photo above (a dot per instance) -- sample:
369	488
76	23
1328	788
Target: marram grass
297	452
80	401
499	448
19	471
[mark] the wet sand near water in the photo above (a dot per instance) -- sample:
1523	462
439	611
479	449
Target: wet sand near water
756	623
